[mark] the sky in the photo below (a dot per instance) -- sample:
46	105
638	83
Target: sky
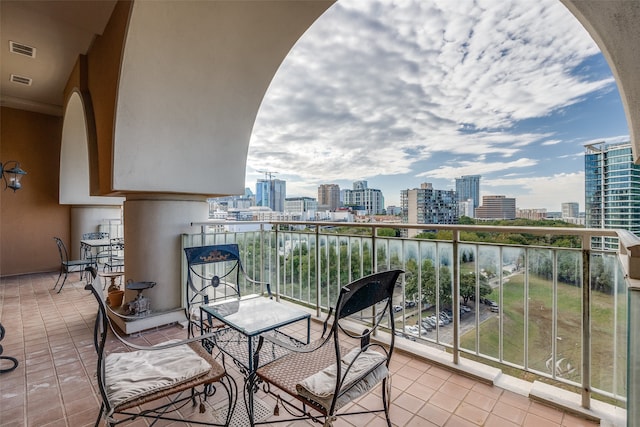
403	92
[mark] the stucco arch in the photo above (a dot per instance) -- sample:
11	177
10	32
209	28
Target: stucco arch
74	157
191	81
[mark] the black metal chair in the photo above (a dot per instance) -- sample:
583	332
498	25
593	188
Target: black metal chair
342	365
67	266
215	272
13	362
155	382
95	235
115	259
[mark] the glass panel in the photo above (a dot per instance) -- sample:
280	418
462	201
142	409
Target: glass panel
621	300
425	294
603	324
633	398
512	308
568	359
487	293
540	310
404	298
445	288
468	279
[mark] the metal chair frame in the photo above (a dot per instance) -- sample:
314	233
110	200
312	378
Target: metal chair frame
95	235
362	297
13	362
68	266
214	272
168	400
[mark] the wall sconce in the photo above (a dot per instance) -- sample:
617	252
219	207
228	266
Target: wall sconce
11	175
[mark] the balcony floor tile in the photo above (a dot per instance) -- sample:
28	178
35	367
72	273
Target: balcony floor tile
54	385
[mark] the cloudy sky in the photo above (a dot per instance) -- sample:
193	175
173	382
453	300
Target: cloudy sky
404	92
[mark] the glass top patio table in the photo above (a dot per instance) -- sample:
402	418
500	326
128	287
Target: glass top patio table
92	248
248	317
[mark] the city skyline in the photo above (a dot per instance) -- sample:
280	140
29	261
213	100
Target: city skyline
401	93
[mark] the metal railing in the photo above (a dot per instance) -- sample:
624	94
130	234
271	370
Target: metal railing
518	306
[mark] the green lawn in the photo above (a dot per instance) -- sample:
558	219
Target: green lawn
540	333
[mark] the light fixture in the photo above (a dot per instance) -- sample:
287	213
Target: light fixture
11	174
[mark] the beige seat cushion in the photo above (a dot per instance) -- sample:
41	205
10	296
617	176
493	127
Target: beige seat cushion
134	374
320	386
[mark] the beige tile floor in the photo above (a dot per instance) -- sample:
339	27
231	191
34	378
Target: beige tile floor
51	335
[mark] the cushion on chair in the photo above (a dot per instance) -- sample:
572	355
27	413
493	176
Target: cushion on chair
134	374
320	386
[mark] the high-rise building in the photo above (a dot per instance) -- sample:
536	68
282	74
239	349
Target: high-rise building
468	187
612	188
425	205
535	214
271	193
496	207
570	210
329	197
365	199
301	208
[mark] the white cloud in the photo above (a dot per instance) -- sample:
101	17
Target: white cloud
540	192
379	87
476	168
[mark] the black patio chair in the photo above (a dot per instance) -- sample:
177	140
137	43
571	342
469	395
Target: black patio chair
12	361
215	272
155	382
67	266
95	235
342	365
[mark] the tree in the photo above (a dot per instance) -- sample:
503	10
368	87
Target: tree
468	286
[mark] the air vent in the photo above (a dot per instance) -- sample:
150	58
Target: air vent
22	49
21	80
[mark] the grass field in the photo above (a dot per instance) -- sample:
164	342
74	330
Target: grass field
540	333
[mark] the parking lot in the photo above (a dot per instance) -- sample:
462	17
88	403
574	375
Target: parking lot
445	331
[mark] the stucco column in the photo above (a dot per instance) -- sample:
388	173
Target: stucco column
153	225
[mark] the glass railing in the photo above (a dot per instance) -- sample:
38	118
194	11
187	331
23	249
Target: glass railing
521	307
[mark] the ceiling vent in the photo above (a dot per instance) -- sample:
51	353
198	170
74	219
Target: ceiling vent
22	49
21	80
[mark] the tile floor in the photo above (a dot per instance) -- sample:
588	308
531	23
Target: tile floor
51	335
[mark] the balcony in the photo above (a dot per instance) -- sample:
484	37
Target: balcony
523	360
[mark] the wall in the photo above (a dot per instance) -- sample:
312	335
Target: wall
30	217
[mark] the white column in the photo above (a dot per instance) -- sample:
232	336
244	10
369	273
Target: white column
153	225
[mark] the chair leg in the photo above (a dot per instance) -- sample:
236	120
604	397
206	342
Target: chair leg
385	401
99	415
66	273
59	275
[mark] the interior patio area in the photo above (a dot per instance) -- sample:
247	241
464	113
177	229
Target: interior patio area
51	335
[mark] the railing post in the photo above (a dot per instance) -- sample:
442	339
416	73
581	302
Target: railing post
586	322
262	255
318	281
456	299
277	263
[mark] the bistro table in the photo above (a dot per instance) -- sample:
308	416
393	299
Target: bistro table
247	318
88	246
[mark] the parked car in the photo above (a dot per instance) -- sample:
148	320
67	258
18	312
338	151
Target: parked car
409	304
429	322
445	318
494	309
397	308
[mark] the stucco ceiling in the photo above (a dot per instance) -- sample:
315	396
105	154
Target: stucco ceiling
59	31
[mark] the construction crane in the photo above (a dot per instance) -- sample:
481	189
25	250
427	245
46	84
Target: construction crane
268	174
